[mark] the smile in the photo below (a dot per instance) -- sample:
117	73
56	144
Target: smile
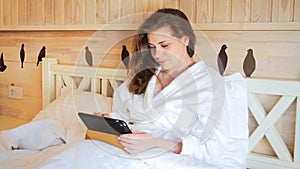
161	62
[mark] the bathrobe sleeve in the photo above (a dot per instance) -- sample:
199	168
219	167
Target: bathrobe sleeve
228	145
210	149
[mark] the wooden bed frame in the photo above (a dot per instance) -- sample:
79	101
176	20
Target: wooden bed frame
98	80
55	76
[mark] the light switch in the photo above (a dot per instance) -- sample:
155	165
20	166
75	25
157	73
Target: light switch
15	92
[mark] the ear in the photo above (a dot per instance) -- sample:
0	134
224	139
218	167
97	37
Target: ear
186	40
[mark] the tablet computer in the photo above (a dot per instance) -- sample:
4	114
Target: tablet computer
104	124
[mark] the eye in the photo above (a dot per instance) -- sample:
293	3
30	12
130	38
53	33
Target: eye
164	45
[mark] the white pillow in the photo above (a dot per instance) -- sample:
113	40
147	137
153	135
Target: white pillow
36	135
65	109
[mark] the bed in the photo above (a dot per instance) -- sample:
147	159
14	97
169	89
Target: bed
77	88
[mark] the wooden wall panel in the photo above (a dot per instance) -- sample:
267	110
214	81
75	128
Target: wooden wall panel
7	12
102	11
31	15
48	12
188	7
283	10
171	3
154	5
204	11
1	12
59	14
22	12
14	12
68	12
30	79
275	56
90	14
79	12
297	11
67	46
39	12
261	11
127	12
43	13
114	11
141	8
241	11
222	11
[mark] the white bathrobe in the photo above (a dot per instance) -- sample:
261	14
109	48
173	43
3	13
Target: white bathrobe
206	111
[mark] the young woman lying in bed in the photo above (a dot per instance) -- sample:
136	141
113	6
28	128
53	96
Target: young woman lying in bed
183	113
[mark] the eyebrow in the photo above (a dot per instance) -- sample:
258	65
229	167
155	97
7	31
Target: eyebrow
158	43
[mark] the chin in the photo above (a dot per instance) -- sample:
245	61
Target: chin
165	69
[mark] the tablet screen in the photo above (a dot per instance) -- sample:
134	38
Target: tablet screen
104	124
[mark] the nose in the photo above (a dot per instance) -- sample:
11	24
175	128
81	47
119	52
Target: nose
153	51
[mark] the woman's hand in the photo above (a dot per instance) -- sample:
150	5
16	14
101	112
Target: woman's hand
140	141
137	142
103	114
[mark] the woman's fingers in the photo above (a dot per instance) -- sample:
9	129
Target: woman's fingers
128	146
103	114
131	148
137	142
137	132
97	113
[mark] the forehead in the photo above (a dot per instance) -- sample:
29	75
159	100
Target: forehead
161	34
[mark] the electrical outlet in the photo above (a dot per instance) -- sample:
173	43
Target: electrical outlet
15	92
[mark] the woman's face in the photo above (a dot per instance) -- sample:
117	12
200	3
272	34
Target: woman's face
168	51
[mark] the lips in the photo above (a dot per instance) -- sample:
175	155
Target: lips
161	62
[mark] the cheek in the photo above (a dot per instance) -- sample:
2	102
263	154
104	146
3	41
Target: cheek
178	51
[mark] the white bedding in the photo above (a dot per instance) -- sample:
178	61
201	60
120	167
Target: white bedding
65	109
89	154
41	143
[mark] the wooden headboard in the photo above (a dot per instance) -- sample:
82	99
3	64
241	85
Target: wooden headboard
289	93
55	76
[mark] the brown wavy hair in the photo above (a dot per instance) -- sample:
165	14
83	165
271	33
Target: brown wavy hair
142	65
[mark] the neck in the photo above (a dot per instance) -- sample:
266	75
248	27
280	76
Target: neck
174	73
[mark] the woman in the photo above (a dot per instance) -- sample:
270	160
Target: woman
177	105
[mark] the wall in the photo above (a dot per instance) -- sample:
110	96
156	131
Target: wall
68	46
270	27
16	13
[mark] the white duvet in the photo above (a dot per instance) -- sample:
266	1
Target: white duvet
90	154
56	140
39	149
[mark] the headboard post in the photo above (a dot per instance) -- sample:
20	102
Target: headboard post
48	81
297	133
